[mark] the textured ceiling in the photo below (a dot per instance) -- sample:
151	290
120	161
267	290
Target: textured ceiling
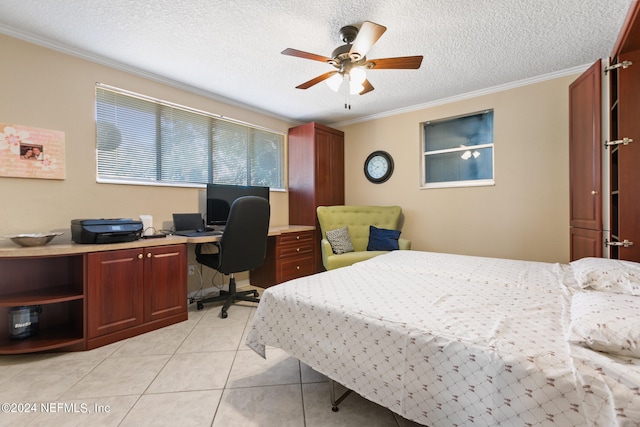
230	50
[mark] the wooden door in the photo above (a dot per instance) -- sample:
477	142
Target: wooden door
114	291
585	243
165	282
585	157
329	168
629	156
302	170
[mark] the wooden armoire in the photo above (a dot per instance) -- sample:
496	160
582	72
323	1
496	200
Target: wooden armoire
614	232
316	174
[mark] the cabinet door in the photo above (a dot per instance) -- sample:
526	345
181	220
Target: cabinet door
165	282
329	168
629	156
585	243
115	291
585	149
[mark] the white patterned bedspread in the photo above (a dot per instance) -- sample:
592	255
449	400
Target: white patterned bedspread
450	340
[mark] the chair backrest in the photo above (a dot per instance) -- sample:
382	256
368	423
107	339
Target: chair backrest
243	245
358	219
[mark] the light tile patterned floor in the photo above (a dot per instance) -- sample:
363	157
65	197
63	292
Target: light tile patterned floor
195	373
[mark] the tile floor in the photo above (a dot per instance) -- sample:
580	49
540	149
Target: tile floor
195	373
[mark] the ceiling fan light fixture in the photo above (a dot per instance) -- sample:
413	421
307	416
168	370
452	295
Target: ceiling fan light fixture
358	75
334	82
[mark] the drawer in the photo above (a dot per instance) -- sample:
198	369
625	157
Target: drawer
291	238
295	244
296	267
294	249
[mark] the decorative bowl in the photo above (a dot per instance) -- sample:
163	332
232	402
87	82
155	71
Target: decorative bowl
37	239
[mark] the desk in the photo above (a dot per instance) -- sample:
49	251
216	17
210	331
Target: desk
291	252
95	294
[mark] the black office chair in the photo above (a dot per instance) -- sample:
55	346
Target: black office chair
242	247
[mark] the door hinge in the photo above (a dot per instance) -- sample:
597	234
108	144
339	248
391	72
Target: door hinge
623	141
623	64
625	243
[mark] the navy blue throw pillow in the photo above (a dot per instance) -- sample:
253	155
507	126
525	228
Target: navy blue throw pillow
381	239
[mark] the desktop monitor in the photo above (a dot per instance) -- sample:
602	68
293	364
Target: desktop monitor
220	197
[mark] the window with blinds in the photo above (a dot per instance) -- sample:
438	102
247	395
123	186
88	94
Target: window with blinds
145	140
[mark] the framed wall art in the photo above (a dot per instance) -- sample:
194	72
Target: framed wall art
28	152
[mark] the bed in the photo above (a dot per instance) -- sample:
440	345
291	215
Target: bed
445	339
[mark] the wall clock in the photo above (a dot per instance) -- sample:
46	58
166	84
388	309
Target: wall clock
378	167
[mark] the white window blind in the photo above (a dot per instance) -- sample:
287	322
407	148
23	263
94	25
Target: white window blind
142	140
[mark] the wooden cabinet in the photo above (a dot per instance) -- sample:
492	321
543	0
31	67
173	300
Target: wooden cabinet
56	285
624	140
620	234
316	174
585	163
87	296
132	291
289	256
115	291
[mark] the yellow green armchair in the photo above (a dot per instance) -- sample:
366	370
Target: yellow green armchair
357	220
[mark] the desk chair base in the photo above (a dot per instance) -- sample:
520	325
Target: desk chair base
230	297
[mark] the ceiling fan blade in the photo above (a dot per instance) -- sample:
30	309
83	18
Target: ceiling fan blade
316	80
399	63
368	87
305	55
368	34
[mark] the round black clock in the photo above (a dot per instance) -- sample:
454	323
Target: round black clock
378	167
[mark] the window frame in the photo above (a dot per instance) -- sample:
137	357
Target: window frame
212	119
459	183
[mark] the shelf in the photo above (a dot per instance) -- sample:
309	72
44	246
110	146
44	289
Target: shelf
41	296
45	340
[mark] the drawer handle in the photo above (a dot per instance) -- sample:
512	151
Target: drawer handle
297	249
297	267
297	237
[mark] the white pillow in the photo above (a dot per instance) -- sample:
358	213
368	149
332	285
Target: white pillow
608	275
607	322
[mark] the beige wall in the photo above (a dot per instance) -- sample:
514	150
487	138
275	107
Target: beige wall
525	215
43	88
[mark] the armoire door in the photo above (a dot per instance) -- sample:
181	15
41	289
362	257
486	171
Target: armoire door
629	157
585	162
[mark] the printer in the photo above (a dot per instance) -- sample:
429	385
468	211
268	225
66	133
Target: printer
105	230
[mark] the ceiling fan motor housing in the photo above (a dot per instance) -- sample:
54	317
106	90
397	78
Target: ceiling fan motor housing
340	57
348	33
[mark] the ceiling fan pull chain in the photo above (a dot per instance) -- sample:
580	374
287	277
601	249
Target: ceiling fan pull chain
347	104
347	93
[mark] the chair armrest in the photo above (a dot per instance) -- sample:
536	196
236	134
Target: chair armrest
404	244
326	250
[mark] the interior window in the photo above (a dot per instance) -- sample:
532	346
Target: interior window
458	151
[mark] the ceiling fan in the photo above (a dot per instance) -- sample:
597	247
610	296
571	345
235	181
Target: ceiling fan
350	61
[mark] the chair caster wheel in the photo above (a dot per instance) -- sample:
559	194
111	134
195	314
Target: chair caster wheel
334	409
223	314
200	305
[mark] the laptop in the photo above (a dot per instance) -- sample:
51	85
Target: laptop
191	225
